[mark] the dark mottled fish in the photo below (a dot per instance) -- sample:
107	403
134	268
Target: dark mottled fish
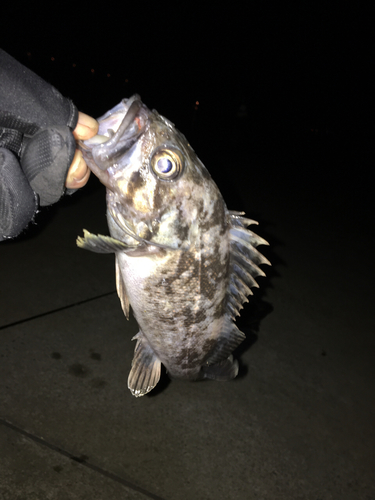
184	262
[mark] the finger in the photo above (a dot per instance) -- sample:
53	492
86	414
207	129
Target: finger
78	173
86	127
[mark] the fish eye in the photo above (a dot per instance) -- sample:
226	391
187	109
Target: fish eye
166	163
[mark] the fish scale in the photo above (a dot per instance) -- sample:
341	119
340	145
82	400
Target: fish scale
184	263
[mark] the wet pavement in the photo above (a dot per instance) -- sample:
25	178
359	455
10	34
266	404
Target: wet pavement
297	423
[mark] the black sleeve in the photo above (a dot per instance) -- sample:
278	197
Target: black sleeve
36	144
28	103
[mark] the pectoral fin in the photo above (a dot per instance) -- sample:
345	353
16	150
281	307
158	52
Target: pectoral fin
102	244
145	371
121	290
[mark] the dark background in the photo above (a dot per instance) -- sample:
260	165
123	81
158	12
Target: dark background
293	66
285	120
279	97
292	83
268	76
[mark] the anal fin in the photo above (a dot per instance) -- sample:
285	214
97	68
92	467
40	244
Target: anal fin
145	371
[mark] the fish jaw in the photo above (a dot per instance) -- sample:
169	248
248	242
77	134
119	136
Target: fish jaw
119	129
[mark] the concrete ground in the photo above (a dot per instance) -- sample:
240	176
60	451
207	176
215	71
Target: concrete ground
297	423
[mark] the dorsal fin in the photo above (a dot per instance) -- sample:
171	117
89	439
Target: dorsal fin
230	338
244	262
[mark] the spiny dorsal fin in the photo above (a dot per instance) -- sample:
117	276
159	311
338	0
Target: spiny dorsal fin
236	219
248	236
121	290
145	371
102	244
244	262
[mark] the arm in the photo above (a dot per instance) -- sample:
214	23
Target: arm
38	156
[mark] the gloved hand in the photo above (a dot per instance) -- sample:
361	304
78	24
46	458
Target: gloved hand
38	157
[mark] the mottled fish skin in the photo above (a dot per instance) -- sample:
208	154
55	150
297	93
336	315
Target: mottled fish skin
184	270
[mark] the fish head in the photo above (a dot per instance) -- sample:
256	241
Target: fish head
158	191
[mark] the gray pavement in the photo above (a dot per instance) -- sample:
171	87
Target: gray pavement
297	423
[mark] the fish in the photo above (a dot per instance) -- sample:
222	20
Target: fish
184	263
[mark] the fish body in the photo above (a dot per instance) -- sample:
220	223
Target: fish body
184	262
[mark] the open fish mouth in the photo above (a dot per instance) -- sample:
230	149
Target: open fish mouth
118	131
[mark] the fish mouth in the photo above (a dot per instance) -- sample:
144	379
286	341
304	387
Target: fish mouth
118	132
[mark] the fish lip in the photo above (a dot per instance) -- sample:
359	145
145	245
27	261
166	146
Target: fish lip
103	150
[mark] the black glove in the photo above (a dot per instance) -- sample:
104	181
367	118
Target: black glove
36	144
